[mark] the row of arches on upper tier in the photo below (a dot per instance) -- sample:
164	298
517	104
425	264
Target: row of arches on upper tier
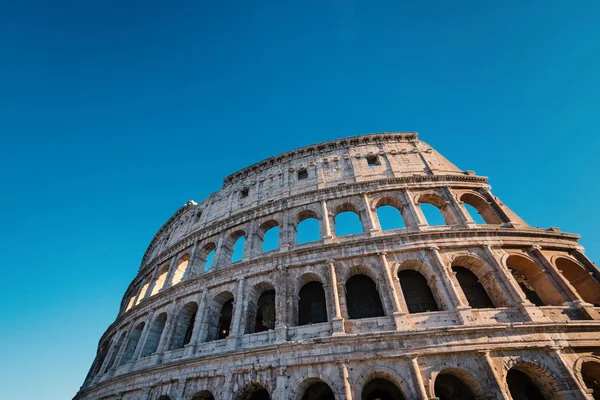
348	217
524	380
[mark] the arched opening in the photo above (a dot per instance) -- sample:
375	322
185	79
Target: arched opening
450	387
130	303
160	280
220	313
182	265
535	284
416	291
318	391
362	298
390	218
474	291
184	326
433	215
153	338
203	395
254	392
132	343
307	227
312	308
479	210
100	357
581	279
347	221
267	236
238	249
263	318
115	351
521	386
206	256
164	397
590	372
142	293
381	389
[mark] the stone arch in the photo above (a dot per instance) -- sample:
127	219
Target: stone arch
315	295
258	237
182	264
482	206
101	356
373	372
580	278
455	384
154	334
184	326
546	381
352	211
417	293
203	395
132	343
537	286
426	271
261	308
363	299
485	277
143	291
587	371
205	256
254	391
302	217
115	351
232	241
306	390
161	280
389	201
220	312
440	203
164	397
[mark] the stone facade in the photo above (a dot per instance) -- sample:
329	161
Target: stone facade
506	308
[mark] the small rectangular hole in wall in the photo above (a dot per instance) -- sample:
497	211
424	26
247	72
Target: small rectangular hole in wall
244	193
372	161
302	174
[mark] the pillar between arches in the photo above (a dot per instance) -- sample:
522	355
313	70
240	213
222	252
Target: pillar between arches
400	309
417	378
337	322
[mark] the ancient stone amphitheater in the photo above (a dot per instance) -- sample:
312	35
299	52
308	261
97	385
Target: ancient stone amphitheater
480	306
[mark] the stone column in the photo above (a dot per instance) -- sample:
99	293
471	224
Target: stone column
280	392
460	214
281	309
236	332
143	336
369	226
346	381
398	302
191	270
153	281
337	322
496	207
218	259
117	362
580	392
190	348
326	230
493	377
166	334
415	372
417	217
252	246
286	238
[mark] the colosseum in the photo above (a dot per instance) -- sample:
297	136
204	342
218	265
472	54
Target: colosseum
477	306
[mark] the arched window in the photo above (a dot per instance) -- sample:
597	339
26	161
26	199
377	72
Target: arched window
581	279
390	218
115	351
433	215
203	395
450	387
160	280
238	249
312	308
521	386
267	236
362	298
479	209
254	392
590	372
153	338
537	286
184	326
347	223
265	312
210	258
225	320
132	343
318	391
100	357
308	231
130	303
472	288
181	267
205	257
142	293
381	389
416	291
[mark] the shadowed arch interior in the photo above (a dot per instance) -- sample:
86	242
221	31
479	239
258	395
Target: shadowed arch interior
472	288
319	390
581	279
590	372
154	335
538	288
481	212
362	298
521	386
254	392
312	307
203	395
381	389
132	343
184	326
450	387
416	291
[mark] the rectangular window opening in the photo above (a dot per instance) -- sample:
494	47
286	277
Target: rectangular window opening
373	161
245	193
302	174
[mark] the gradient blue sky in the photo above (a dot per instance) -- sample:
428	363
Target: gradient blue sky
114	114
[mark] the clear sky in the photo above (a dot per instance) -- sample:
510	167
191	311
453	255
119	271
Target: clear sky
114	113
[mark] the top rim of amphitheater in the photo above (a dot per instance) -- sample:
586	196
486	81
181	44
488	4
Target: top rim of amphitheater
319	145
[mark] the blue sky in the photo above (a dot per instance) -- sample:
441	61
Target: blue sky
114	114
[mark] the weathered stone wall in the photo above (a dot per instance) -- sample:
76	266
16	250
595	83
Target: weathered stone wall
479	346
